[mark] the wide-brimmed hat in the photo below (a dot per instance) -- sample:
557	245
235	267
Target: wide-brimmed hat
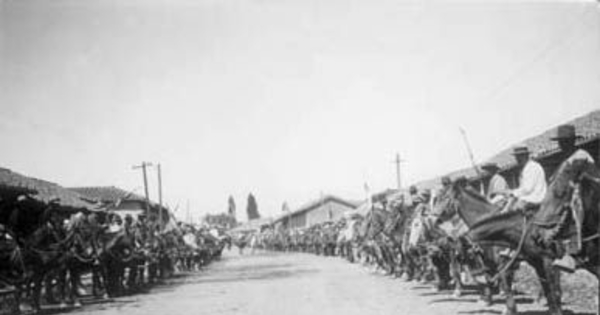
566	132
490	166
521	150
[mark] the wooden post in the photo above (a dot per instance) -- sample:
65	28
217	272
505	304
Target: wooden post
398	161
160	203
143	166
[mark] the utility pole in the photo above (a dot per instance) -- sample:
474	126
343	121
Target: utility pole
143	166
160	203
398	161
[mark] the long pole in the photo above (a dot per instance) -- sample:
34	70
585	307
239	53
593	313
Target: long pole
398	161
160	201
472	157
143	166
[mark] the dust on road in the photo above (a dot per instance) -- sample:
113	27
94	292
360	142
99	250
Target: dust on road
276	283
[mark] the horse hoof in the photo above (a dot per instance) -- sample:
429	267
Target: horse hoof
485	302
62	305
508	311
457	294
77	304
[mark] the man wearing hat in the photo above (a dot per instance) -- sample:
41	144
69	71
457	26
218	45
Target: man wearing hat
532	182
566	137
423	203
497	187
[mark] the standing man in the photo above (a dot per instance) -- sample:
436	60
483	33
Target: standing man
497	187
566	137
532	182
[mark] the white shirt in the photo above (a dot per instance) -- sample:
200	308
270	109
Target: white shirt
532	183
581	155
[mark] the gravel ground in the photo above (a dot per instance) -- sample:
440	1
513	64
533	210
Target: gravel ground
275	283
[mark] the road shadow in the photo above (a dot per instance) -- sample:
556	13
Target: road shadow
259	276
482	311
544	312
421	287
453	299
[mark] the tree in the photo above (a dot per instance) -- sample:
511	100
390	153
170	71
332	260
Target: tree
231	207
252	208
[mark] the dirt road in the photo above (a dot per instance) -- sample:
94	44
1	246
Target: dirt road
272	283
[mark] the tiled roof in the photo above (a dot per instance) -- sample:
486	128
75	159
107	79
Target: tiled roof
42	190
110	194
588	126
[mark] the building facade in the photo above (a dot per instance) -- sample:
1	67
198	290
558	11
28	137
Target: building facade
328	208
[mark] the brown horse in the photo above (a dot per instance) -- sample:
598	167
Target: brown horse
470	206
12	266
513	229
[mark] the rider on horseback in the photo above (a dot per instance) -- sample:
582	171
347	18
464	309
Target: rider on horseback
497	187
532	183
566	138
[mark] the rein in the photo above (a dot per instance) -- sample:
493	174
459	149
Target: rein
515	255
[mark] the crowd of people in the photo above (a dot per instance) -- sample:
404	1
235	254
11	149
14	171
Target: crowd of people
54	256
443	236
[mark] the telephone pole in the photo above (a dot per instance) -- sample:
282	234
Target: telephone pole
160	203
143	166
398	161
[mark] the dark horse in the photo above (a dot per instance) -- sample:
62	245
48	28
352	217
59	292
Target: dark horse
376	244
12	266
43	251
470	206
575	188
117	253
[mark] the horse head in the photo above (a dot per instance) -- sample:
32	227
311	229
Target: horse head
575	187
12	267
446	204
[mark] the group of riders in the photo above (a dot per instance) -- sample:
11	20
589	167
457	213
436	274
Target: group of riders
463	233
52	256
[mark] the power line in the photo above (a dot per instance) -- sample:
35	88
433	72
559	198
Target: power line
543	53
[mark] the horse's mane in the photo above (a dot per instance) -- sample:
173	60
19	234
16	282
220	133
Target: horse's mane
476	195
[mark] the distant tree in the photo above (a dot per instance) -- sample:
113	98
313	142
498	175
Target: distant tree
285	208
231	207
252	208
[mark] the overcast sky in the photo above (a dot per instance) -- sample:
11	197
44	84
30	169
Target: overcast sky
285	99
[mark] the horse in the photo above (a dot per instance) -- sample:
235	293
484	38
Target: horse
43	251
12	266
117	251
471	207
346	237
375	243
574	190
81	256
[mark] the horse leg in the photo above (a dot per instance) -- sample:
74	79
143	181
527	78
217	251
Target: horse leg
455	274
36	293
48	288
62	283
132	276
75	277
487	292
544	270
506	285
